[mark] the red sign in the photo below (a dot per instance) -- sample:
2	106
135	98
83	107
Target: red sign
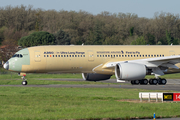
176	96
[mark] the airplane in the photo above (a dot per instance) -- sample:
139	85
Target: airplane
99	62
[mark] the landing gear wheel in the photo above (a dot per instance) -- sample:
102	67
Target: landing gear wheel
150	81
145	81
159	81
163	81
132	82
24	82
136	82
154	81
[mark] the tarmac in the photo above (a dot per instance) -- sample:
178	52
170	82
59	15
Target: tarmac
172	84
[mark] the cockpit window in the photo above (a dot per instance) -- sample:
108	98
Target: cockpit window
17	55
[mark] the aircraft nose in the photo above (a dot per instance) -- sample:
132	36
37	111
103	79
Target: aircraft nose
6	65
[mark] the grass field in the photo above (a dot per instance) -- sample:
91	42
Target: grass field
77	103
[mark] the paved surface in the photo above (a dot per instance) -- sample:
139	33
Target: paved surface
169	81
172	84
161	119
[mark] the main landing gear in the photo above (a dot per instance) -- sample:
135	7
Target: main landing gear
24	82
160	81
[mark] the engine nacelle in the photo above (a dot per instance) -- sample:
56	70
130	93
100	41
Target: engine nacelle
130	71
95	77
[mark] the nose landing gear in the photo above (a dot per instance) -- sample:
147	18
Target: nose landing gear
24	82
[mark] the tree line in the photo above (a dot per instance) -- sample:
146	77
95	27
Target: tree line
23	23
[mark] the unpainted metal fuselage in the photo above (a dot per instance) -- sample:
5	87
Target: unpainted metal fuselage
84	59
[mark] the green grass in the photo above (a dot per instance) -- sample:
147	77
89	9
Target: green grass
77	103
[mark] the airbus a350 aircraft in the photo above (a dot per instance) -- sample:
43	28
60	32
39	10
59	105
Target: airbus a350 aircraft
128	63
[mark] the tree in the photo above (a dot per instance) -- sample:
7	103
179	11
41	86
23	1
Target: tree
151	39
171	40
9	47
37	38
131	31
62	38
139	41
97	33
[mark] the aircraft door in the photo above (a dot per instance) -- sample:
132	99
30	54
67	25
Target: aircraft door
37	57
171	53
90	56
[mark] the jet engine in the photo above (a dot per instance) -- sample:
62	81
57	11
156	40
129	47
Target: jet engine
130	71
95	76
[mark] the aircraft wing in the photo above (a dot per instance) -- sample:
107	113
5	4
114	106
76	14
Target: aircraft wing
152	63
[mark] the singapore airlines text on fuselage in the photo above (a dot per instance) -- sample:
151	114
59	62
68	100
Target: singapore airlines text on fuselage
128	63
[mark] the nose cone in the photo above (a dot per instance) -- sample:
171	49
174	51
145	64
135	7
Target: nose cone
6	65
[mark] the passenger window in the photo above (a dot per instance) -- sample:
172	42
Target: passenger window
143	55
163	55
100	55
72	55
149	55
154	55
69	55
134	55
97	55
105	55
128	55
64	55
146	55
157	55
78	55
116	55
83	55
58	55
61	55
131	55
160	55
119	55
44	55
108	55
122	55
125	55
137	55
47	55
75	55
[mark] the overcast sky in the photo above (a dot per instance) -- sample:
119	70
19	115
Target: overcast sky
143	8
